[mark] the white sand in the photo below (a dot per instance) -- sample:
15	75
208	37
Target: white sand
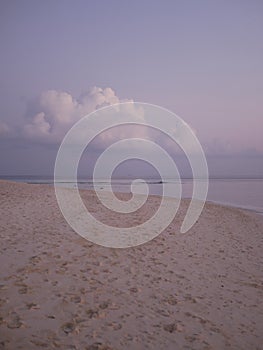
199	290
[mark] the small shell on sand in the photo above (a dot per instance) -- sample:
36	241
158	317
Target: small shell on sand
68	327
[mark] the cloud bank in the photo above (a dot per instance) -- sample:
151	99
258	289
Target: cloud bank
51	115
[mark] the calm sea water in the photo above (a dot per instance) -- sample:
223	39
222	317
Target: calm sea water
242	193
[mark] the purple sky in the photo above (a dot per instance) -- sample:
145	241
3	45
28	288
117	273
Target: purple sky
200	59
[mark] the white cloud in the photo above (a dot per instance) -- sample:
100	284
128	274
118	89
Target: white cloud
55	112
38	127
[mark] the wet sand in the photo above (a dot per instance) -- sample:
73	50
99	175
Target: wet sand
199	290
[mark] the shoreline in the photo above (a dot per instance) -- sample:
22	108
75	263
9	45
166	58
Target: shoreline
198	290
255	210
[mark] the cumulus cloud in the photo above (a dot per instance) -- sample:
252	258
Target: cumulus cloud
51	115
54	112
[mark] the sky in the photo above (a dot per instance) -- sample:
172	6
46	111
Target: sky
61	60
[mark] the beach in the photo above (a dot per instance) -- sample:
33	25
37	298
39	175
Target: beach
198	290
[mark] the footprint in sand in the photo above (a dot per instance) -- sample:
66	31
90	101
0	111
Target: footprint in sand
13	321
173	327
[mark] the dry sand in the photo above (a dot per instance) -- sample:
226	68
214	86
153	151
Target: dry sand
199	290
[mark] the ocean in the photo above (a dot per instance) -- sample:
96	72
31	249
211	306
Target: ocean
245	193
